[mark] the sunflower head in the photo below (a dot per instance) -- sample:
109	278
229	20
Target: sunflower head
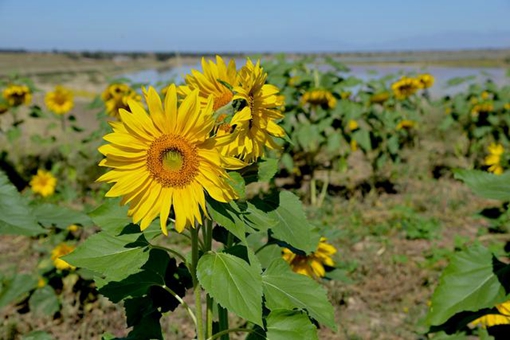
17	95
352	125
493	159
405	87
312	265
318	97
406	124
379	98
165	162
43	183
59	251
489	320
425	80
116	97
60	101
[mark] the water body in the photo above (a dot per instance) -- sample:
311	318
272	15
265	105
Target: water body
364	72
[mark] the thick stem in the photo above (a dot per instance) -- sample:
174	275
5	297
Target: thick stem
209	316
223	320
207	232
225	332
196	286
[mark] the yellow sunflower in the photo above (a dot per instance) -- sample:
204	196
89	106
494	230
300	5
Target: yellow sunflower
483	108
493	160
166	161
59	251
405	124
17	95
313	264
59	101
352	125
405	87
256	123
490	320
215	80
116	97
43	183
425	80
380	98
321	98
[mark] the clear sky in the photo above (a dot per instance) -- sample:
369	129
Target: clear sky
254	26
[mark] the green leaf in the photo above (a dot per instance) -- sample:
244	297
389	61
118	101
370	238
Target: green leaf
228	216
473	280
362	137
233	283
15	214
486	184
257	219
459	80
293	227
51	214
15	288
37	335
237	182
267	169
115	257
144	317
111	216
284	289
288	324
45	301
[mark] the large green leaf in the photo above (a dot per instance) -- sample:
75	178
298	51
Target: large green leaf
292	227
362	136
15	215
114	257
45	301
257	219
51	214
16	287
144	317
486	184
111	216
284	289
233	283
228	216
473	280
267	168
287	324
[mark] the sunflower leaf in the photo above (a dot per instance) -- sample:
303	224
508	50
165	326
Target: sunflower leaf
289	324
486	184
233	283
51	214
284	289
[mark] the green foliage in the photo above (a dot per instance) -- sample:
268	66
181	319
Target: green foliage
485	184
45	301
14	288
286	324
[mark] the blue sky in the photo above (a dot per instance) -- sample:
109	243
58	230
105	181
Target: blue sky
254	26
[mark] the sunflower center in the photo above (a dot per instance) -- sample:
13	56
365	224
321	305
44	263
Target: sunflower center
172	161
60	99
222	100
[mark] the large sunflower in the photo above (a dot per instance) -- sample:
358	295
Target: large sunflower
59	101
259	127
165	161
215	80
17	95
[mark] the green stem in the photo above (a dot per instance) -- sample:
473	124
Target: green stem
225	332
324	190
223	321
207	231
196	286
174	252
313	197
182	302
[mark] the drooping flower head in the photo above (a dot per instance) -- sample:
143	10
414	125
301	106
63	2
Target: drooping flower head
17	95
425	80
490	320
405	87
318	97
493	160
116	97
313	264
59	101
166	161
59	251
216	79
43	183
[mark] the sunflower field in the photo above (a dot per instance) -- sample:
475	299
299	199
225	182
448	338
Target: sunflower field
258	198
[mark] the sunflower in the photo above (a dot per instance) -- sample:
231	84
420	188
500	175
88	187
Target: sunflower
493	160
322	98
256	123
313	264
405	87
216	80
352	125
489	320
43	183
166	161
116	97
405	124
482	108
17	95
425	80
379	98
59	101
59	251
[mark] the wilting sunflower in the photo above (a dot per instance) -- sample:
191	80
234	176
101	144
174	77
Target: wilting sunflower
425	80
166	161
313	264
489	320
405	124
116	96
59	251
321	98
216	80
493	160
59	101
43	183
17	95
405	87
